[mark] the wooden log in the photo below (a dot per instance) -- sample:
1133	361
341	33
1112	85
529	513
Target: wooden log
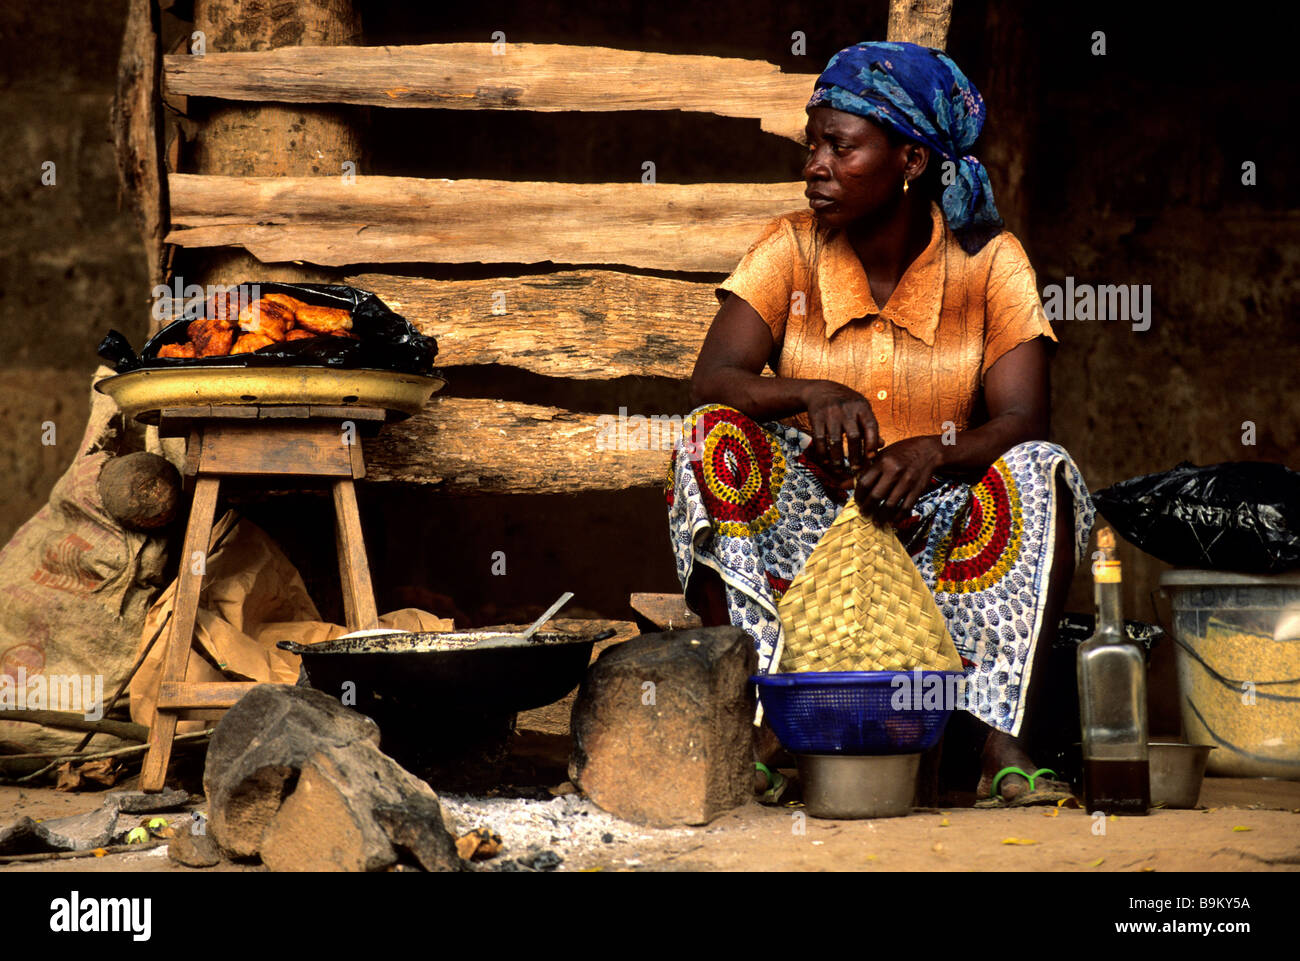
700	227
665	612
920	21
492	446
583	324
137	135
271	139
5	759
92	853
514	76
71	721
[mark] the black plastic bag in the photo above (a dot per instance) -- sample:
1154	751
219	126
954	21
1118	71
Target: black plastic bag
1238	516
1074	628
387	341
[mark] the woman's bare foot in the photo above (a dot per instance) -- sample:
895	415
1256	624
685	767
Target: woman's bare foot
1002	750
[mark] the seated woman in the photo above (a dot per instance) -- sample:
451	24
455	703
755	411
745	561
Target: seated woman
910	349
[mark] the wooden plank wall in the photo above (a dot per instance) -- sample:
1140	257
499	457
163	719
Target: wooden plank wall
516	76
588	323
691	227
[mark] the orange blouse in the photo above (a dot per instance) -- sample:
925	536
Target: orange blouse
921	359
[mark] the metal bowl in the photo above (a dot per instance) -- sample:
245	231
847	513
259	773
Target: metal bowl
843	786
142	393
1176	773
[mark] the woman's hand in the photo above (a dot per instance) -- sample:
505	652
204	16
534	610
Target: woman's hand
840	414
897	477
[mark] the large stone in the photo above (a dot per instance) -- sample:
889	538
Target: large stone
258	749
295	778
663	727
347	812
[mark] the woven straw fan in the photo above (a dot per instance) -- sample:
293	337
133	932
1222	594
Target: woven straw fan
860	604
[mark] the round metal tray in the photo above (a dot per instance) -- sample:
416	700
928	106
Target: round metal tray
143	393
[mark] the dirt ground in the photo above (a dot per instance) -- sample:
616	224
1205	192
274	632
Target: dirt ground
1242	825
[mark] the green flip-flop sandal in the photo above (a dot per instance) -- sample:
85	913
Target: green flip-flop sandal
776	784
1035	794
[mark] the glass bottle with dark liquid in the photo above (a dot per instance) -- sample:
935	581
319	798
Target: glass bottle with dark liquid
1113	700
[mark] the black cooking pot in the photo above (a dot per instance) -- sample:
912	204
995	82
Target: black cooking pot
466	672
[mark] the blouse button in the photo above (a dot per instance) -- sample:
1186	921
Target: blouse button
881	395
878	326
884	357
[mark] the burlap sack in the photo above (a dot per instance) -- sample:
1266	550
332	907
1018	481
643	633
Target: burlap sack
75	586
252	597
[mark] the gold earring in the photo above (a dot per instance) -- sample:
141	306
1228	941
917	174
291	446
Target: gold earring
904	185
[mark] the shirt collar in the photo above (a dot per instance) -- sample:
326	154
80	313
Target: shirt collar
914	304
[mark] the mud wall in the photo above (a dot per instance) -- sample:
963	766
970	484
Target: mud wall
71	266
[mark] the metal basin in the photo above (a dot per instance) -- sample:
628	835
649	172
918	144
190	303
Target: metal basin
843	786
142	393
450	673
1176	773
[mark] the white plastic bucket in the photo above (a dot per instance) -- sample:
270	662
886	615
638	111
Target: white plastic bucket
1238	657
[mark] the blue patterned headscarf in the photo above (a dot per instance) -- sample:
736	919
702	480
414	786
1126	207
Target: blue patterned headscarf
922	95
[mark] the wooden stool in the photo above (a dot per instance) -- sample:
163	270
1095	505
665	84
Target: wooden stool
274	443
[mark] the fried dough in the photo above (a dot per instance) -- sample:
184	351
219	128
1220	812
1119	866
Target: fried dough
248	343
323	320
267	318
211	338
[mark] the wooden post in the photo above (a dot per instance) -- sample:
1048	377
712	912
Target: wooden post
273	140
920	21
136	132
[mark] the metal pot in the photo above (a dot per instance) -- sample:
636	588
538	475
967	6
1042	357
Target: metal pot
1176	773
845	786
445	703
449	673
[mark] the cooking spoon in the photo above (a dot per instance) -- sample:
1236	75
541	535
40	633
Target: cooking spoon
550	612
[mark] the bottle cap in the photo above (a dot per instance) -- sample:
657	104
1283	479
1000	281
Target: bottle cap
1106	572
1106	569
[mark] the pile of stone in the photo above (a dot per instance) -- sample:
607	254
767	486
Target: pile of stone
297	780
662	730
